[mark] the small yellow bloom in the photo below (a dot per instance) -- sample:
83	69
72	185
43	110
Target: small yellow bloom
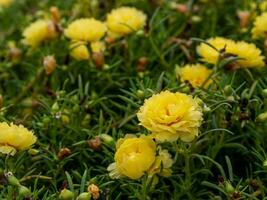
38	32
125	20
162	165
14	138
98	47
196	75
4	3
170	116
249	54
134	157
79	51
259	29
86	29
209	54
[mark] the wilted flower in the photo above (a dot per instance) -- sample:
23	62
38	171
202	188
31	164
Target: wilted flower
244	17
49	64
249	54
15	138
133	157
259	29
94	191
125	20
196	75
38	32
177	115
63	153
86	29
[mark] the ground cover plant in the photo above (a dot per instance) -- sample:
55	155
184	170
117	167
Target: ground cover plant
133	99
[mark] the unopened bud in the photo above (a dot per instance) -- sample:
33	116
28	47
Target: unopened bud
84	196
63	153
228	90
95	143
262	117
94	190
11	179
107	139
264	93
66	195
55	107
65	119
229	188
24	191
140	93
49	64
33	152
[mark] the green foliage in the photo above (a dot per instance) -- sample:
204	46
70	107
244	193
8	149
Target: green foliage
78	102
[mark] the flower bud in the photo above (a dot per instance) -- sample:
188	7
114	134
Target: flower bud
24	191
65	119
86	120
94	190
63	153
264	164
66	195
264	93
84	196
33	152
228	90
140	94
55	107
95	143
49	64
107	139
11	179
262	117
229	188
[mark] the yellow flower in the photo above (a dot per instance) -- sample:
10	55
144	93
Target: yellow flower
134	157
170	116
4	3
209	54
98	47
14	138
86	29
79	51
249	54
38	32
196	75
259	29
162	165
125	20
